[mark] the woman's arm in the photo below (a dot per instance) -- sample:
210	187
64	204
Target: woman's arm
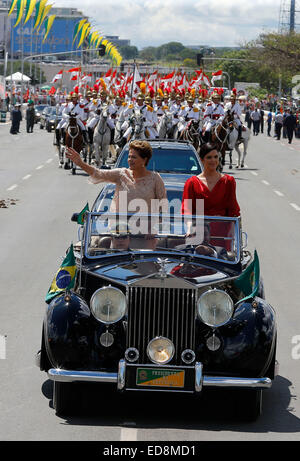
73	155
95	174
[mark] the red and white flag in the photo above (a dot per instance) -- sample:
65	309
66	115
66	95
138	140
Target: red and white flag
216	76
86	78
57	76
75	72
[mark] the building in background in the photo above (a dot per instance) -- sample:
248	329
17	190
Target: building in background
22	39
117	41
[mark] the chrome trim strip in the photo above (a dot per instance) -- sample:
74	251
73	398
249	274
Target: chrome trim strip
68	376
198	377
121	374
227	381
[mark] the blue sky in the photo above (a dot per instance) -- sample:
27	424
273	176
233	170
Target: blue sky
191	22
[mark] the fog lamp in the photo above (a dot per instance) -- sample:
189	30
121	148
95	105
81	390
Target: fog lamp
106	339
160	350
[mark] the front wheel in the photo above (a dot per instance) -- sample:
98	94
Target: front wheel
65	398
249	404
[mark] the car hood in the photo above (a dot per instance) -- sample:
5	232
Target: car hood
165	272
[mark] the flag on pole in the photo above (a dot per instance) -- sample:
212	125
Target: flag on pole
58	76
44	14
75	72
20	10
249	280
12	6
29	9
216	76
48	24
78	28
64	278
80	218
38	12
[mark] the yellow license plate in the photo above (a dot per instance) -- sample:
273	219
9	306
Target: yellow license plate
156	377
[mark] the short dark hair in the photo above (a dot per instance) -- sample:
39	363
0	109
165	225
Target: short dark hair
206	149
143	148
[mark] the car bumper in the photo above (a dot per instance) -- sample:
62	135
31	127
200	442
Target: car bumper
60	375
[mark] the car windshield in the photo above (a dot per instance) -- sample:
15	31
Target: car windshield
40	108
209	237
167	160
174	196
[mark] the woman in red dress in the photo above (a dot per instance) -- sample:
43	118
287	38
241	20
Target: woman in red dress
216	190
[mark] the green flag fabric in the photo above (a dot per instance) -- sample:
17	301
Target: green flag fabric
64	278
80	219
248	282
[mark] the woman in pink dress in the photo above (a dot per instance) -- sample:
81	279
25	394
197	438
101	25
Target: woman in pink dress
133	184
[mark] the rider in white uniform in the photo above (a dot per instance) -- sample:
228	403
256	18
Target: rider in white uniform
60	129
187	113
213	114
236	110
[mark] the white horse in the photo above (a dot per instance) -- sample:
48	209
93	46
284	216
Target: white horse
166	127
102	136
137	123
233	143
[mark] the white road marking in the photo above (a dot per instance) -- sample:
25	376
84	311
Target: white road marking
280	194
26	177
39	167
254	173
12	187
49	160
296	207
128	434
265	182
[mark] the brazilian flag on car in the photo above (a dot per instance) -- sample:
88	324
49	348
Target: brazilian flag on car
65	276
248	282
80	219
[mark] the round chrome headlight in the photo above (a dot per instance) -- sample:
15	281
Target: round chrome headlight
108	305
215	308
160	350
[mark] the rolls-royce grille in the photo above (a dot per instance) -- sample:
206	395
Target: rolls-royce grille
168	312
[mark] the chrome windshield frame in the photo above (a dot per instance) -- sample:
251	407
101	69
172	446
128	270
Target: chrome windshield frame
179	253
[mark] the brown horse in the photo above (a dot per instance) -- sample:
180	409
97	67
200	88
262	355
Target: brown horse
219	136
191	133
74	138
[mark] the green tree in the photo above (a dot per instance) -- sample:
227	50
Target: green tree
129	52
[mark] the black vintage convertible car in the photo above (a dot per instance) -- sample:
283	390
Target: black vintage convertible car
152	307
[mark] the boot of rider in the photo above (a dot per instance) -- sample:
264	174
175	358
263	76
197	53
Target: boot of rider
123	142
239	133
63	136
57	136
85	136
91	135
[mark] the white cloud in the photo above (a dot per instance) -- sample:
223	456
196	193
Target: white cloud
154	22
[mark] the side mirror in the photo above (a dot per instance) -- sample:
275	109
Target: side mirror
74	217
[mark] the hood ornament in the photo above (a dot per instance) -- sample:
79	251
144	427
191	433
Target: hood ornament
163	270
